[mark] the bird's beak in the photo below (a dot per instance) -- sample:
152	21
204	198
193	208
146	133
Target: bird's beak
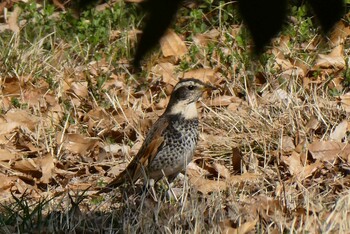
207	87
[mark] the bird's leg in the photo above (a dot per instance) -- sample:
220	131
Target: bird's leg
153	191
169	180
148	185
171	194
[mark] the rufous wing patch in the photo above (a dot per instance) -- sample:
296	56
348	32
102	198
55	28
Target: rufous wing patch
148	156
143	158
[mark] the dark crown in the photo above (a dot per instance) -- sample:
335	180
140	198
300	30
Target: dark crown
185	92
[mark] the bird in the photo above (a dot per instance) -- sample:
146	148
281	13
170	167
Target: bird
170	143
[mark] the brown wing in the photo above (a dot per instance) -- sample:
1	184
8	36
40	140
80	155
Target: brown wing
143	158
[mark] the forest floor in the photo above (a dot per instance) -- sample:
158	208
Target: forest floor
273	153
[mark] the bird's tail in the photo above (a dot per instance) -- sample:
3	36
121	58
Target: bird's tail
126	176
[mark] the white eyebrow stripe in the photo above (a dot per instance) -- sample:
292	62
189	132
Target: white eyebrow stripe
185	83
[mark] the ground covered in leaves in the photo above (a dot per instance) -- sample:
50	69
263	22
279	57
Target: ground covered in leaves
273	153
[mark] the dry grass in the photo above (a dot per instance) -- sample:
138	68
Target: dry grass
77	121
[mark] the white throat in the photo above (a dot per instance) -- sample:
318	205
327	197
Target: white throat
188	111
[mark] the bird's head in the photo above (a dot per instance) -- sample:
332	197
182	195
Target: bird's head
184	97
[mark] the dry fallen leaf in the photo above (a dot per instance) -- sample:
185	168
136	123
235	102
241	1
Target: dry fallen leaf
283	45
245	177
340	33
8	127
340	131
203	38
203	185
172	45
329	150
222	170
34	97
11	86
289	68
333	60
80	89
26	165
6	155
6	182
262	206
283	64
293	162
13	20
79	186
247	227
21	118
166	70
287	144
297	169
46	165
312	124
293	72
204	74
78	144
236	160
206	186
345	102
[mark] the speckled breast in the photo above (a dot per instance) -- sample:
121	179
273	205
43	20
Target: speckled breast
180	140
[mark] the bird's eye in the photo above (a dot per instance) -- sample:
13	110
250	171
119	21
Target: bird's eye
191	87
